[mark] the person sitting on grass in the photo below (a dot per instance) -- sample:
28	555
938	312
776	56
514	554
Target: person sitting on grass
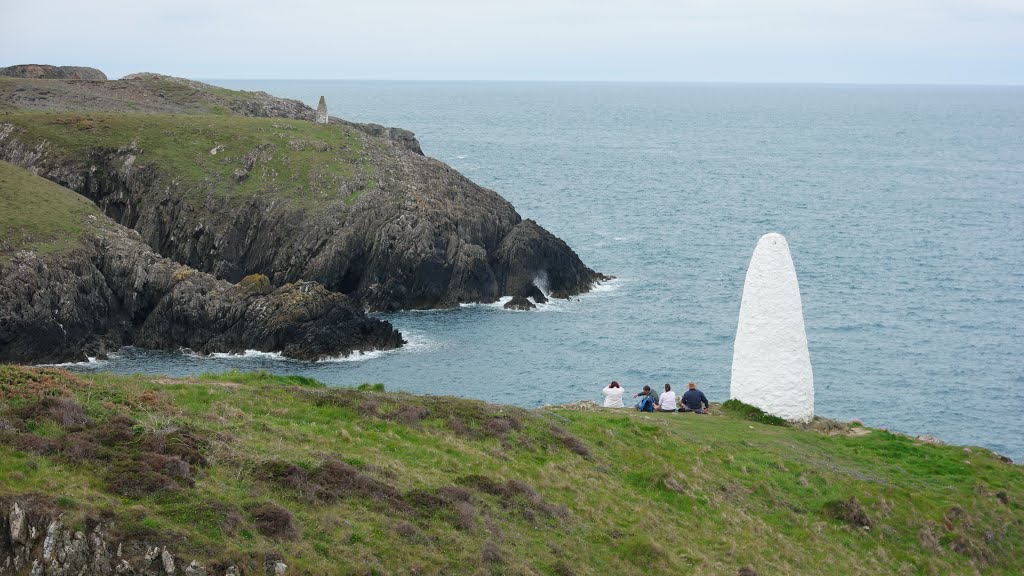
667	402
693	399
648	399
613	395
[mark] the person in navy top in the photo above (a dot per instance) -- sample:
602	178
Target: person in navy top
694	400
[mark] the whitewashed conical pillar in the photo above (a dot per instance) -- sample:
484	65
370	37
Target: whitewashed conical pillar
771	367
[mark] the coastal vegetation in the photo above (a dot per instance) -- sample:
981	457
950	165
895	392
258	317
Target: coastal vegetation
244	469
291	160
36	216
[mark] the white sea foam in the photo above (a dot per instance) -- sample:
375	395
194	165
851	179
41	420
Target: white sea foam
417	341
554	304
357	356
246	354
612	285
499	303
413	342
541	282
90	361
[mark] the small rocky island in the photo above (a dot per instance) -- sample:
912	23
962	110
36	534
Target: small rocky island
239	185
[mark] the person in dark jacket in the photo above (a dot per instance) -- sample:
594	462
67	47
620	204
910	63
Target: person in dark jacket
644	394
694	400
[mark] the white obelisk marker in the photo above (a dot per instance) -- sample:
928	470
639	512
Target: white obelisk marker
771	367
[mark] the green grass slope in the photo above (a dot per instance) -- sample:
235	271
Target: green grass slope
144	92
38	215
361	481
198	155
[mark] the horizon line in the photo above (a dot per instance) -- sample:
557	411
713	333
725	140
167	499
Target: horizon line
588	81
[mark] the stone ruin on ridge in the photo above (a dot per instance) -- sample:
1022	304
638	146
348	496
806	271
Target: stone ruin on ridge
321	112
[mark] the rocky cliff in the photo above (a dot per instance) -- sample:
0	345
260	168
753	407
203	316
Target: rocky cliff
94	286
357	208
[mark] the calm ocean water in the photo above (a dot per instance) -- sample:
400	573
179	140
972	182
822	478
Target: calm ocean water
903	207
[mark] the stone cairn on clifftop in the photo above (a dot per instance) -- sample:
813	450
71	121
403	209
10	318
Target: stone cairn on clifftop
321	111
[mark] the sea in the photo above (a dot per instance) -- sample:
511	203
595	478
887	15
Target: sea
903	207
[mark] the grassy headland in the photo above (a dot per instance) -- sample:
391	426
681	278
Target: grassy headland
293	160
241	466
36	214
144	92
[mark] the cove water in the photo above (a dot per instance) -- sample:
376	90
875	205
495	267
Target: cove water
903	208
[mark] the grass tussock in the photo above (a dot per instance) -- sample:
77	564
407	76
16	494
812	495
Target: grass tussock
260	378
243	468
752	413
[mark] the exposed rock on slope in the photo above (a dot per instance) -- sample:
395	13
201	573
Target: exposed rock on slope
48	72
95	286
35	540
364	215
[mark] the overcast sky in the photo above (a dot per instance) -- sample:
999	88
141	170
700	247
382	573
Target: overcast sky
885	41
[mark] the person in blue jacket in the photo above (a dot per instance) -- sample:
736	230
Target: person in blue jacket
694	400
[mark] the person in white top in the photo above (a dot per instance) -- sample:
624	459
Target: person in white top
667	402
613	395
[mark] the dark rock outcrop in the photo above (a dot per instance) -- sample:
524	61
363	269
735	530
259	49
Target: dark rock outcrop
534	292
400	136
121	293
35	539
519	303
48	72
110	290
529	254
